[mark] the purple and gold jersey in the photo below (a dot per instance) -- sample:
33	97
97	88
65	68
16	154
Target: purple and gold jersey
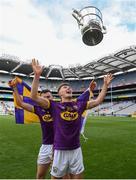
67	123
46	122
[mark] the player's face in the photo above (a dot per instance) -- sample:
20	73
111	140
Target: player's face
65	92
47	95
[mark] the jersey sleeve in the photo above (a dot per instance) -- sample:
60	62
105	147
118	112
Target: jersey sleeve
82	106
52	105
84	96
36	109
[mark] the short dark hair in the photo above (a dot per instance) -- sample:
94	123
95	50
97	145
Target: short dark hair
45	91
63	84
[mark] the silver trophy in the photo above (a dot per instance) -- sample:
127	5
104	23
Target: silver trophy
90	23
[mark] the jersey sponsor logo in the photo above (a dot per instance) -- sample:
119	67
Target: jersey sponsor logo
69	116
47	117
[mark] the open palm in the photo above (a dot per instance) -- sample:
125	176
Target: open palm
92	85
107	79
37	68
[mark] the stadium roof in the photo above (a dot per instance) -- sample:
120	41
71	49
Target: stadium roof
121	61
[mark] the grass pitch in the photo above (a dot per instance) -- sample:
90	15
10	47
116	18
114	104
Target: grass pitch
109	153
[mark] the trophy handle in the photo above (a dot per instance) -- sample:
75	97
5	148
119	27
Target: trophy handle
90	23
104	30
77	15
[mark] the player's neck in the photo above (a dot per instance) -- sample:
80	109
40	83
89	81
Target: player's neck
68	99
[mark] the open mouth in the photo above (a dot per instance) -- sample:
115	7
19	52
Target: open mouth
68	91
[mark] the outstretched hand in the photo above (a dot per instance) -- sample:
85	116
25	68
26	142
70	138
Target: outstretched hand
107	79
13	83
37	68
92	85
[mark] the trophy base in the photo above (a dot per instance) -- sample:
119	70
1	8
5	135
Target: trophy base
92	37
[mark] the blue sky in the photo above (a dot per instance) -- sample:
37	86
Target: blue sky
46	30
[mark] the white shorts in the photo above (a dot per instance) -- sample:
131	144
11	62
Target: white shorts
45	154
67	161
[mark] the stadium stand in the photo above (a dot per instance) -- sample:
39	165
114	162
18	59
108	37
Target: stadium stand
126	110
121	96
122	108
6	108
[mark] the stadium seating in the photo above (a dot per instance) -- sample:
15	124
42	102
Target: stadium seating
6	108
123	108
114	107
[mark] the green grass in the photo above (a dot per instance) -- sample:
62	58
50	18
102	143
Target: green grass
109	153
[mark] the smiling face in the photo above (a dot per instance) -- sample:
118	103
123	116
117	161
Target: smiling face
46	94
65	92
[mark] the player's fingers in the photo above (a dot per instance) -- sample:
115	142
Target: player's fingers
33	61
37	62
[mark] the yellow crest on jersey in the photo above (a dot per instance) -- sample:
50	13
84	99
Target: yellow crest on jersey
69	116
47	118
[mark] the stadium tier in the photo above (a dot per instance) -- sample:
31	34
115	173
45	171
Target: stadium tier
121	96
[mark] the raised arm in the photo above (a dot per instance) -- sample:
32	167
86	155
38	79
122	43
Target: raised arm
19	100
43	102
93	103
